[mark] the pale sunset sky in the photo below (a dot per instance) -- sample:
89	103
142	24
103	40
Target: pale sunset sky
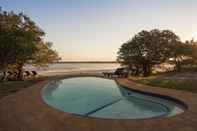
93	30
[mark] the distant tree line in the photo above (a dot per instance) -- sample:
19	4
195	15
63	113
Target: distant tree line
21	42
149	48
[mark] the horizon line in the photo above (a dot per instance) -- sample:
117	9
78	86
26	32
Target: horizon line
86	62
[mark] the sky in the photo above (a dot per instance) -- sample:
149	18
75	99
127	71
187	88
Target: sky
94	30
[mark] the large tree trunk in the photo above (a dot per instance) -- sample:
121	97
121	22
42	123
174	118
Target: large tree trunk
146	70
20	71
149	68
178	66
137	71
178	62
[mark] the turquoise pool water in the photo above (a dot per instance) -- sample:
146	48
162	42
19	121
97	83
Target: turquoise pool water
103	98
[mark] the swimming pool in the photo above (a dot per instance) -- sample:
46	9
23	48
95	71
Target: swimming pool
104	98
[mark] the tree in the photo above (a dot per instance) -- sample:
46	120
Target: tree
147	49
29	36
20	42
126	57
181	54
10	25
44	55
193	49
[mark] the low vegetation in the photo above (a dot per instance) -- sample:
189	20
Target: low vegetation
150	48
10	87
170	80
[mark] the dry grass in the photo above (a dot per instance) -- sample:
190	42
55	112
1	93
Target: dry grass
9	87
161	81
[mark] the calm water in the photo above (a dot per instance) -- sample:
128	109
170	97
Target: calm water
68	67
59	68
103	98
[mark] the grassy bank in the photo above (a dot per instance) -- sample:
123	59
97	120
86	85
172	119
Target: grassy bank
9	87
168	80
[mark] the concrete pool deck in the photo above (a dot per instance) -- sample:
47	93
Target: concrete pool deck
26	111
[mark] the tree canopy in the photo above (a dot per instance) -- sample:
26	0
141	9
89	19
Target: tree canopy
148	48
21	42
45	55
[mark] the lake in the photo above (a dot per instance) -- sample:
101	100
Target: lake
58	68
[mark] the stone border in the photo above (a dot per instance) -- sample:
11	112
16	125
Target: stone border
170	98
26	111
178	102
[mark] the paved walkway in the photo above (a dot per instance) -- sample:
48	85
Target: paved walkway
26	111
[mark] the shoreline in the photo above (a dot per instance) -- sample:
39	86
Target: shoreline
86	62
57	73
70	67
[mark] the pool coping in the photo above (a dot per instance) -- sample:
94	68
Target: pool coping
180	103
25	110
156	94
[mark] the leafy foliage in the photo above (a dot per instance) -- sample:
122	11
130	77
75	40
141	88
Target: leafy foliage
21	42
45	55
148	48
18	38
